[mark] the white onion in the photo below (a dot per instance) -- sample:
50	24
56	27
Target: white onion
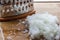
43	24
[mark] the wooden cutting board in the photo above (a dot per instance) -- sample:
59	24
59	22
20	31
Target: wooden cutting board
15	30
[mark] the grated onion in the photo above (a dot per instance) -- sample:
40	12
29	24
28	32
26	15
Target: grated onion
43	24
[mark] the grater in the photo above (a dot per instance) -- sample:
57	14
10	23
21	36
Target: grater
12	8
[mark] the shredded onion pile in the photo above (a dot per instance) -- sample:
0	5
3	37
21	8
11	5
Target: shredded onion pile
43	24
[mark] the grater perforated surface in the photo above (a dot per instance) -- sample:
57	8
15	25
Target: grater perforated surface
15	7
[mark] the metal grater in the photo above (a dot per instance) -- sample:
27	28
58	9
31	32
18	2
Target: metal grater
15	7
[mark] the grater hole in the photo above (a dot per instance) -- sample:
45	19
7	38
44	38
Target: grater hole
31	4
0	1
27	1
23	8
4	2
24	2
19	9
20	3
26	7
17	3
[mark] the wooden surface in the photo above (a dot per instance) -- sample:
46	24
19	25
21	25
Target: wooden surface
53	8
15	30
